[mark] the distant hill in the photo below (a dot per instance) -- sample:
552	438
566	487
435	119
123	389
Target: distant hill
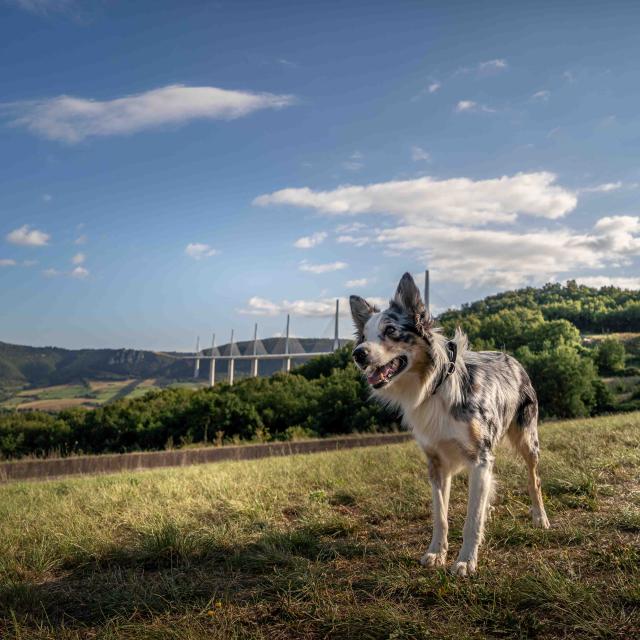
22	366
591	310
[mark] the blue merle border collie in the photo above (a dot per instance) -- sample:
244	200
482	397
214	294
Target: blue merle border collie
459	404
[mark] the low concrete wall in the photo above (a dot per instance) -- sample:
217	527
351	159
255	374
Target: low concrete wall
113	463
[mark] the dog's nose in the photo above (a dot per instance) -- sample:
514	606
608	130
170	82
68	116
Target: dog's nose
360	355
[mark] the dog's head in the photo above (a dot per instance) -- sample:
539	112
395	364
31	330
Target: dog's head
392	342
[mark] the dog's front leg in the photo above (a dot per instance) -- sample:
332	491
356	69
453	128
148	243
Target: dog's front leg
436	555
480	484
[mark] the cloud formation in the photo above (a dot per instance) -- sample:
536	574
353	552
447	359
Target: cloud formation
308	242
28	237
471	106
199	250
509	258
604	188
447	224
357	282
455	200
623	282
7	262
322	268
80	273
320	308
70	119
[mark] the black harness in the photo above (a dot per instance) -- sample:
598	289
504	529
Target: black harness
452	353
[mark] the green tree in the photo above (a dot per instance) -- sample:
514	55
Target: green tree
610	355
565	382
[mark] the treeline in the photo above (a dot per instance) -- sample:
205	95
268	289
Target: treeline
590	310
323	397
328	396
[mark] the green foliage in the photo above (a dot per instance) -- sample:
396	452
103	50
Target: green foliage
610	356
321	398
607	309
327	395
566	383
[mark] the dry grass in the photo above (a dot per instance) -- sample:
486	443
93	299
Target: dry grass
326	546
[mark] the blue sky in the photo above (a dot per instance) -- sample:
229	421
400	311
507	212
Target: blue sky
173	168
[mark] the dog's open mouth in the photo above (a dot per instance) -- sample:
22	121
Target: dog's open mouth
384	374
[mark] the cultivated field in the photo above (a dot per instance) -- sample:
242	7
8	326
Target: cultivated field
90	395
327	546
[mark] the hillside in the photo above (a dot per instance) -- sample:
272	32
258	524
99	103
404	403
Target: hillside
22	366
327	546
591	310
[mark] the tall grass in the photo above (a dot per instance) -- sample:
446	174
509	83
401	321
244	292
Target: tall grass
327	546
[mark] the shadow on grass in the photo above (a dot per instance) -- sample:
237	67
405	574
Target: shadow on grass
168	570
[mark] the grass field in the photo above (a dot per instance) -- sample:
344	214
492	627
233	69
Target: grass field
327	546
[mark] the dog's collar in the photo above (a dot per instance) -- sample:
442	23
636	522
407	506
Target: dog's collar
452	353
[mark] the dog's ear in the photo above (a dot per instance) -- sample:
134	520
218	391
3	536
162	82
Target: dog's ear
407	295
361	311
409	300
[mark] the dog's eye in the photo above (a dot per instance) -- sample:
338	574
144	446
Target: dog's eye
390	332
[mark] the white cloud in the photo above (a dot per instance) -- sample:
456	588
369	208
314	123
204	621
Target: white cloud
434	86
418	154
455	200
79	258
622	282
543	95
308	242
7	262
323	307
465	105
509	259
199	250
70	119
47	197
322	268
29	263
80	240
358	282
358	241
352	227
80	273
471	106
499	64
438	222
50	273
28	237
604	188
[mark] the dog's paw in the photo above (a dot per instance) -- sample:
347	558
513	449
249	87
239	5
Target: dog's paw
463	568
433	560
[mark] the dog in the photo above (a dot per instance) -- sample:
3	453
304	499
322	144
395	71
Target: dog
458	403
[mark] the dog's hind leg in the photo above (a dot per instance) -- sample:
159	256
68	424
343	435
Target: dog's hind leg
525	440
480	488
436	554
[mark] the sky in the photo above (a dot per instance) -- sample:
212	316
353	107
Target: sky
170	169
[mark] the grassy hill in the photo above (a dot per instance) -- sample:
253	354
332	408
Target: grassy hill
327	546
23	367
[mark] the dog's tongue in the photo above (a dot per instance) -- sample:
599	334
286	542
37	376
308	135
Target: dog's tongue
380	374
